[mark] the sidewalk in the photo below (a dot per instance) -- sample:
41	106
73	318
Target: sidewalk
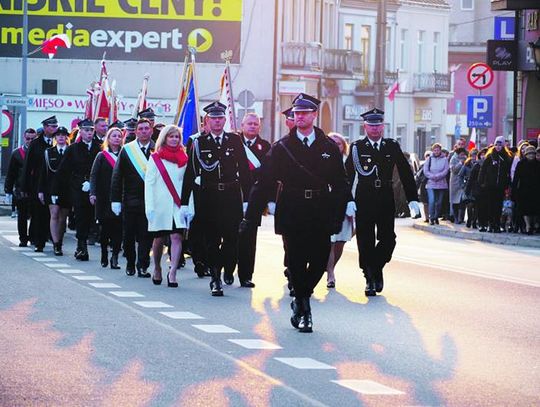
462	232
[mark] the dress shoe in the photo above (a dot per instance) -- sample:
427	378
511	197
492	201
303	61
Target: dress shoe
142	273
247	283
215	288
57	247
378	280
306	322
114	261
207	272
130	270
82	254
228	278
482	229
296	306
200	269
169	283
38	249
104	258
331	284
23	244
370	290
437	221
431	222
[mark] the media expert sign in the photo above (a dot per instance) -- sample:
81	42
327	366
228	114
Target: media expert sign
479	111
142	30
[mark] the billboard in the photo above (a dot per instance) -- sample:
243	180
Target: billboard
129	30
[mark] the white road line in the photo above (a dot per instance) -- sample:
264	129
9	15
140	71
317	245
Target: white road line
12	239
58	265
44	259
152	304
87	278
304	363
216	329
126	294
181	315
104	285
70	271
33	254
255	344
368	387
9	232
21	249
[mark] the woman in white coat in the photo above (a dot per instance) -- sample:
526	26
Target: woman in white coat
162	189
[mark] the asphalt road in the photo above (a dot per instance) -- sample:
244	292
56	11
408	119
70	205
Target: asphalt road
457	325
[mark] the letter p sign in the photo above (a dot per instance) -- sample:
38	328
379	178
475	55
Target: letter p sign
479	111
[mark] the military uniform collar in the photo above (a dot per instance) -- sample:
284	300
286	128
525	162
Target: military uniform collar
214	136
380	143
253	140
310	136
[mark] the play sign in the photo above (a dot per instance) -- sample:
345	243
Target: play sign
480	75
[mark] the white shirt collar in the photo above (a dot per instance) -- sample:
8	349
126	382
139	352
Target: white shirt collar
58	148
311	137
214	136
143	145
373	143
253	140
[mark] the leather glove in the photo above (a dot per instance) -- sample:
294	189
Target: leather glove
244	207
8	199
150	216
245	226
85	186
415	209
351	209
116	208
54	199
271	208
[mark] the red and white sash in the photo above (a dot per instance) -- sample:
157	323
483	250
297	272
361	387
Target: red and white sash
111	158
167	178
253	161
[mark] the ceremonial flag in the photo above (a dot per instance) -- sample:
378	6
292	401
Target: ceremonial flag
189	117
50	46
89	104
141	99
472	140
396	87
101	106
227	98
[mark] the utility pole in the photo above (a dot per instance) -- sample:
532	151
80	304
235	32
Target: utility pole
380	56
24	70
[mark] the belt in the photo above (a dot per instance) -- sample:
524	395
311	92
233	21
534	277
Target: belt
221	186
306	193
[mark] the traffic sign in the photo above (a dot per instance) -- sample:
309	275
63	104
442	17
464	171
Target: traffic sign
7	122
480	75
504	28
480	111
14	100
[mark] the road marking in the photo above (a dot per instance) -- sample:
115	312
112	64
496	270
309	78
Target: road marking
152	304
33	254
216	329
304	363
126	294
44	259
58	265
70	271
367	387
181	315
104	285
12	238
21	249
87	278
8	232
255	344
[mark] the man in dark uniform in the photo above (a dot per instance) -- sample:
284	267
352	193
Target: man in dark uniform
256	149
130	126
150	115
32	167
372	160
219	166
118	124
289	118
74	175
13	186
311	203
101	127
127	196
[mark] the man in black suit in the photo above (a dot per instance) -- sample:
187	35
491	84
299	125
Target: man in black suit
73	175
219	166
256	149
100	130
150	115
40	230
13	186
311	204
127	196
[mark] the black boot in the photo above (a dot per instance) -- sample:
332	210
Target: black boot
58	249
296	306
215	285
370	290
82	251
378	279
104	256
114	261
200	269
306	322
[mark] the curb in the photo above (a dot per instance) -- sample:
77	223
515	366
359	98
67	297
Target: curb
501	238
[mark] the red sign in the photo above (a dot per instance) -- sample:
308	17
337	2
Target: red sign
532	134
7	122
480	75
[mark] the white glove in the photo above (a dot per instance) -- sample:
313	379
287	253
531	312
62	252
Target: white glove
271	208
351	209
186	214
116	207
85	186
415	209
150	216
244	207
54	199
8	199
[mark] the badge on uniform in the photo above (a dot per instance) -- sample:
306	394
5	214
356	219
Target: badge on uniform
325	155
259	147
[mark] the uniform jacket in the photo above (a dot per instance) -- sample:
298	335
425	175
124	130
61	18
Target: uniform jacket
436	170
127	186
49	169
100	187
14	176
33	165
311	201
457	186
259	148
495	171
159	205
374	170
209	166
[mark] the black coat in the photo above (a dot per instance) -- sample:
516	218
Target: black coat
526	187
259	148
311	199
127	186
49	171
212	165
495	171
33	165
100	187
14	176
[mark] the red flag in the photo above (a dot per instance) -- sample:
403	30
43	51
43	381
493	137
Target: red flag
89	104
472	140
392	90
50	46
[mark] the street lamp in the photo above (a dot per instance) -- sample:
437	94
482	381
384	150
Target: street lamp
536	55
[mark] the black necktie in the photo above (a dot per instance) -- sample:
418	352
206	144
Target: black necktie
306	142
248	143
61	152
376	146
218	141
143	150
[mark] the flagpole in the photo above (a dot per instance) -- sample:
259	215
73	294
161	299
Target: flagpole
227	55
144	91
181	91
192	52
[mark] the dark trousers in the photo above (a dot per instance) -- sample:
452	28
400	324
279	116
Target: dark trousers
136	230
111	233
40	228
482	209
375	235
307	254
23	214
495	198
222	244
197	241
247	246
84	216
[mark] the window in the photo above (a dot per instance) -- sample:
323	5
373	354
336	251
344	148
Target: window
420	50
365	35
348	36
387	48
401	136
49	87
436	46
404	57
467	4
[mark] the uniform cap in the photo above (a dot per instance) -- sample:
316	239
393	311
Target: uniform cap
289	114
305	103
374	116
117	124
215	109
131	124
49	120
61	131
87	123
147	114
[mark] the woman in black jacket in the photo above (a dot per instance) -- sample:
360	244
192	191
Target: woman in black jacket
526	188
495	177
100	191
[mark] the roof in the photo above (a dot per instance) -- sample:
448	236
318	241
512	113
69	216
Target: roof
427	3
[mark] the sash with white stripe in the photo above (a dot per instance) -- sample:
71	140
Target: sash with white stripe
253	161
137	158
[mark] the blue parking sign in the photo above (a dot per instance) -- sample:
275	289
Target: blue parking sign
480	111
